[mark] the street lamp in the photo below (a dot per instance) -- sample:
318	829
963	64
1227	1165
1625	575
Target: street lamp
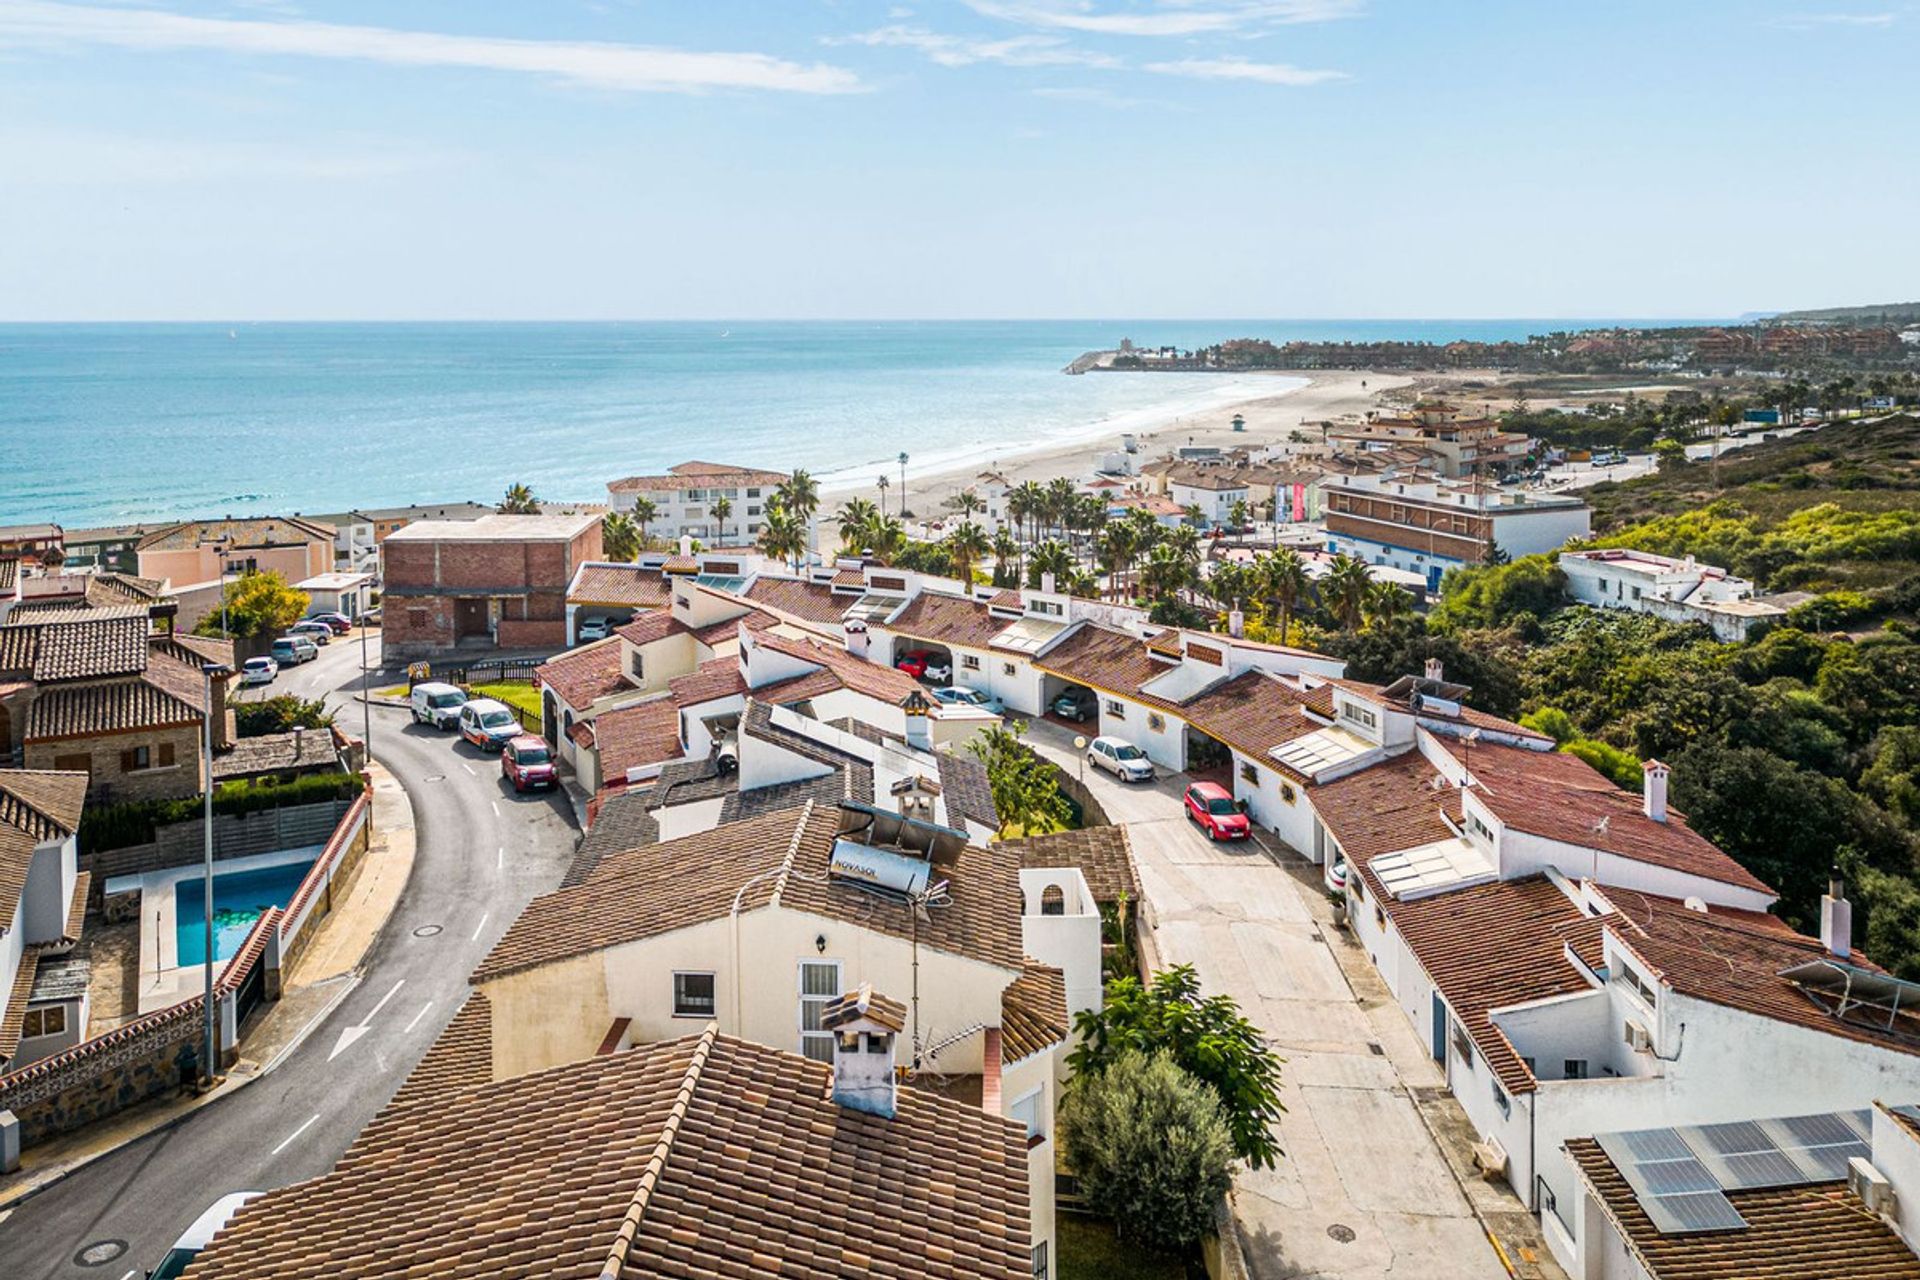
366	690
903	484
208	671
1080	750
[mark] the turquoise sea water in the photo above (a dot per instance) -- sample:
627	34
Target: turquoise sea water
103	424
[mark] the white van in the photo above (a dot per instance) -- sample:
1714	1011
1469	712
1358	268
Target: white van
436	704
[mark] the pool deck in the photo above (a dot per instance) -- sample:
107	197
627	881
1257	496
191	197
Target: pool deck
163	981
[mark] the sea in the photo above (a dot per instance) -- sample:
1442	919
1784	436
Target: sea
105	424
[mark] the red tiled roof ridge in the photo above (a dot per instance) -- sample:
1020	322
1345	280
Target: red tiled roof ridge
657	1162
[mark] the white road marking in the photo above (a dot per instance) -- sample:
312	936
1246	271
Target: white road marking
288	1140
391	992
496	808
351	1034
131	1274
466	766
416	1017
483	924
500	858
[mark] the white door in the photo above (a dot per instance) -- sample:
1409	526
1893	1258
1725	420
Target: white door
819	984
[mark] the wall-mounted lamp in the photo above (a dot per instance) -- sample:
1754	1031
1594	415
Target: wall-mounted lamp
820	943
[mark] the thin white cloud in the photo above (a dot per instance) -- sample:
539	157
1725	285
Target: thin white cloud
965	51
1241	69
589	64
1809	21
1096	98
1170	19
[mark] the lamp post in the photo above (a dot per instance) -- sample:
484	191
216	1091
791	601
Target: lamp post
208	671
366	690
1080	749
903	484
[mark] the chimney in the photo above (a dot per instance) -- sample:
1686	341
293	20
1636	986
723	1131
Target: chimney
1836	918
864	1025
686	544
1653	798
1434	669
1237	622
919	722
1046	583
856	638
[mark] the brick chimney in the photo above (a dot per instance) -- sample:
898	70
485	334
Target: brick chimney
1836	918
1653	796
864	1024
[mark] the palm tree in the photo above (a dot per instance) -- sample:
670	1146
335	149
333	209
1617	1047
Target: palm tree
903	484
644	511
619	538
799	493
886	538
1285	579
784	535
1167	573
1027	502
854	518
966	547
1006	558
1050	557
1119	543
1347	589
519	501
966	502
1196	516
1241	513
1061	497
881	483
721	508
1387	604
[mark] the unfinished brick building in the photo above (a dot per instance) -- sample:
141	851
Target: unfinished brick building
499	582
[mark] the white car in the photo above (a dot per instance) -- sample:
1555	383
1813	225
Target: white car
595	629
961	696
259	671
1120	758
199	1235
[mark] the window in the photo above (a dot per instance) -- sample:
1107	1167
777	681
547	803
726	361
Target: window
1156	722
1029	1110
1462	1045
1549	1203
1574	1068
693	995
1053	901
1114	709
1051	608
753	511
1249	774
639	665
753	493
138	758
1502	1101
1286	792
51	1021
969	662
819	984
80	762
1632	981
1006	668
1479	828
1040	1261
1362	716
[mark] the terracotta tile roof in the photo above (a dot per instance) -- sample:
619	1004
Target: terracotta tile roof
124	588
1320	699
1385	807
699	475
846	782
581	735
718	678
662	887
1105	659
642	734
583	676
166	694
870	678
14	1012
1253	713
1792	1233
1452	936
1033	1012
803	600
309	750
1560	797
70	610
943	619
621	822
680	564
9	574
1007	599
460	1058
195	650
687	1159
264	531
650	628
864	1002
621	585
716	634
80	647
35	807
1104	856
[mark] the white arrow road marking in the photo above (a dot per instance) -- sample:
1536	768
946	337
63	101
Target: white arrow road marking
483	924
416	1017
288	1140
351	1034
500	858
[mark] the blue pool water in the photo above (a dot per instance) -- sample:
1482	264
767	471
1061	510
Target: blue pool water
239	898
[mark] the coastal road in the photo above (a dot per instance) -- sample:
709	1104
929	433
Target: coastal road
481	853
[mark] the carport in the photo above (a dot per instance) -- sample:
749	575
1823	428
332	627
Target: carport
1208	759
1052	686
942	655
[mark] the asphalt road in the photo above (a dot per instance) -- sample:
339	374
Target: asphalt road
482	853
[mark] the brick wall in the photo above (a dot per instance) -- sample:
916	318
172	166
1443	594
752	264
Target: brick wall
533	634
416	624
422	579
106	759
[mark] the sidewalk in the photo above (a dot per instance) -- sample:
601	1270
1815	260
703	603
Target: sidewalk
322	978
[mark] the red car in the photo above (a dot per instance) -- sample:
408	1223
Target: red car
1209	805
526	762
925	664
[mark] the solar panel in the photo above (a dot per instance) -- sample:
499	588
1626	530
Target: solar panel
1669	1182
1700	1211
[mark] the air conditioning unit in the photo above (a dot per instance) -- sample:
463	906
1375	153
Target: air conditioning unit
1490	1157
1638	1038
1871	1186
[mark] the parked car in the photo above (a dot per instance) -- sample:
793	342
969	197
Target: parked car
487	724
315	630
292	650
1209	805
370	617
1120	758
526	762
436	704
1075	705
339	623
199	1235
962	696
258	671
925	664
595	629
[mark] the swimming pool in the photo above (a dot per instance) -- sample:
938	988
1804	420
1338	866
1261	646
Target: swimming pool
239	899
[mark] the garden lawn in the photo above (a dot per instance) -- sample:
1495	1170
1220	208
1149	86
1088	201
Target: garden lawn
1089	1251
516	694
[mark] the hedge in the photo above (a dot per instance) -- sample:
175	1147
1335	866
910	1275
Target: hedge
115	826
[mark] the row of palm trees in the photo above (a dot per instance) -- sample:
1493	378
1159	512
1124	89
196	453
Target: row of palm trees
784	536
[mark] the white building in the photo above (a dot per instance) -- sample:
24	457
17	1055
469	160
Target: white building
1421	524
683	501
1679	590
43	897
1214	490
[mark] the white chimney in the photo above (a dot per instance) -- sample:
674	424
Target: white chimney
1433	670
864	1025
1653	797
856	637
919	721
1046	583
1236	621
686	544
1836	918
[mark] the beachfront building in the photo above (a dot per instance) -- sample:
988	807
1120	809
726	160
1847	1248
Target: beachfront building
496	582
683	500
1679	590
31	543
1426	525
359	532
114	548
1213	491
1454	446
43	899
199	552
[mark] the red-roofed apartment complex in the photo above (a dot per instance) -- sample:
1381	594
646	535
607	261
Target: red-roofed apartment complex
496	582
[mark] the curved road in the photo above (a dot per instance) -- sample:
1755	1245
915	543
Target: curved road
481	853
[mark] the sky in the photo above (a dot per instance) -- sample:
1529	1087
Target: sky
599	159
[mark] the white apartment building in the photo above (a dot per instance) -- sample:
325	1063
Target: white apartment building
683	501
1421	524
1679	590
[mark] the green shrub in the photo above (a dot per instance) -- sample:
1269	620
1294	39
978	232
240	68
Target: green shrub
115	826
1150	1149
280	714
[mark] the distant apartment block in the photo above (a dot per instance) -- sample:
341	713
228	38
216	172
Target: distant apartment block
200	551
496	582
683	500
1455	446
1423	525
1679	590
359	532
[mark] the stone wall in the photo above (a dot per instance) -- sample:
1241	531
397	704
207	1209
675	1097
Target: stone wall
173	763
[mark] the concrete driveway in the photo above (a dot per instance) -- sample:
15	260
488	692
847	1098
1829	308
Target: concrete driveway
1364	1190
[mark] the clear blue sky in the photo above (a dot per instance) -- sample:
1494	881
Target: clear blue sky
186	159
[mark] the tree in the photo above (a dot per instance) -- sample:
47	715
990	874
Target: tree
645	511
1050	557
1386	604
966	503
856	517
1347	589
783	536
886	538
519	501
1150	1149
1285	579
1240	513
1026	790
257	604
1166	573
967	546
1670	454
721	507
1206	1036
799	493
1893	777
619	536
280	714
1531	587
1006	558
